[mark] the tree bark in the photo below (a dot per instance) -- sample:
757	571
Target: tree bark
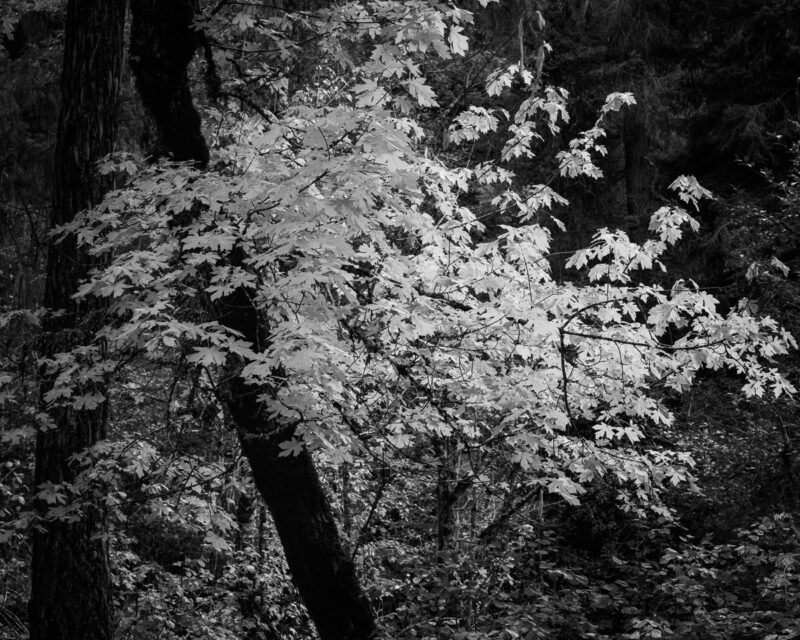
321	568
323	572
70	579
163	42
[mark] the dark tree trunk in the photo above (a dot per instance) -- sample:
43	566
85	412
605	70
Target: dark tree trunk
323	572
321	568
163	43
70	584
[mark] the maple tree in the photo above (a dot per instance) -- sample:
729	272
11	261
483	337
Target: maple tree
382	315
350	240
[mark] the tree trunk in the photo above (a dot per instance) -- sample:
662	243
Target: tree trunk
70	583
321	568
323	572
163	43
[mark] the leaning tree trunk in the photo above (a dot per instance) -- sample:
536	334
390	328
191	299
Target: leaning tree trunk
322	570
70	580
162	43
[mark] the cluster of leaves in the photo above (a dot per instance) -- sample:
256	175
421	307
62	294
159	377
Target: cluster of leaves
535	586
387	319
218	596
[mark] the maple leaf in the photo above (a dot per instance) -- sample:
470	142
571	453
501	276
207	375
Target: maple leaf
207	356
217	542
615	101
243	21
370	93
459	44
423	94
293	447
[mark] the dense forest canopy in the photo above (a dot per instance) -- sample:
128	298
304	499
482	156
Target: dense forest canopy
382	319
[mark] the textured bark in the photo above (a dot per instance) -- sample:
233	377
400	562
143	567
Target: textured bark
70	583
163	43
321	568
323	572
